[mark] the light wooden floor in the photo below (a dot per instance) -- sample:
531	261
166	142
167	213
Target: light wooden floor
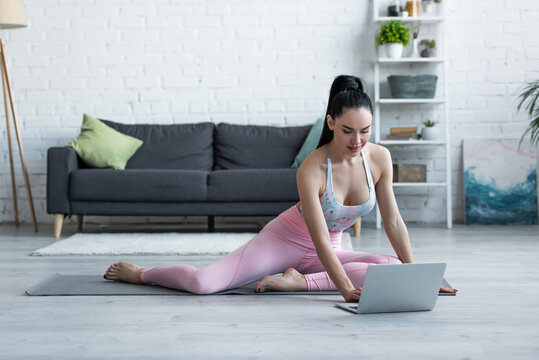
494	316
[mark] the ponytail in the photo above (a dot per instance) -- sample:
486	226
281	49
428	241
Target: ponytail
347	92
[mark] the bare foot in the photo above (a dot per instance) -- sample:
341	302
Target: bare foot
124	272
291	280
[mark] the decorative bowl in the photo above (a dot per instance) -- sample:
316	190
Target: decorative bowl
412	86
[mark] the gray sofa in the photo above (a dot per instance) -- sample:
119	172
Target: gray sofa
186	169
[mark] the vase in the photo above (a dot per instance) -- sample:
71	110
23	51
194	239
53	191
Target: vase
415	50
413	8
430	133
394	50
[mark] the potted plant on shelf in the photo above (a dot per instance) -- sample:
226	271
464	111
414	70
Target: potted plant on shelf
394	36
428	48
429	132
528	98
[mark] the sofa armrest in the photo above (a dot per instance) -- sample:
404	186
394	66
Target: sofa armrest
61	161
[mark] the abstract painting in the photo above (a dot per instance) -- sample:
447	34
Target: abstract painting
500	182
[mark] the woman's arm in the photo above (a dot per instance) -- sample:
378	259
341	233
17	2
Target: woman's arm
393	224
308	181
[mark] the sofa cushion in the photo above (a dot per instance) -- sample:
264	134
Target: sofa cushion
257	147
177	146
101	146
253	185
138	185
310	143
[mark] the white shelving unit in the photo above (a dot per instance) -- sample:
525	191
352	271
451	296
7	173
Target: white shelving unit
423	19
438	25
411	60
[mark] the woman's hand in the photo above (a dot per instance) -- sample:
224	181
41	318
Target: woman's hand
351	295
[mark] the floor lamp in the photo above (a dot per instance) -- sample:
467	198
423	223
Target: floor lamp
12	17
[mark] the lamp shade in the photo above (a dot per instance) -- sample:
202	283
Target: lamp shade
12	14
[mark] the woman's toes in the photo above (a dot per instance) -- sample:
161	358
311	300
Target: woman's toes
261	285
111	273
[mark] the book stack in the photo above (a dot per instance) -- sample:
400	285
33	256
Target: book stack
403	133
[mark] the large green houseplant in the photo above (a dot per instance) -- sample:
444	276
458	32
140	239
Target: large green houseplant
528	99
395	36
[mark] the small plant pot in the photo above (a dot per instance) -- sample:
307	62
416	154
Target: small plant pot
394	50
428	52
430	133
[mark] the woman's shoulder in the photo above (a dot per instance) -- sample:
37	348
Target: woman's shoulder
314	164
316	159
312	170
377	153
379	159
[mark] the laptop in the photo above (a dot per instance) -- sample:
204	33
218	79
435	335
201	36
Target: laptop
398	287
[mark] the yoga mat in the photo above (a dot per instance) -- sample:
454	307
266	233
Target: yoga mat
95	285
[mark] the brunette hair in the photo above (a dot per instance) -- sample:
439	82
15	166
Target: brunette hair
347	92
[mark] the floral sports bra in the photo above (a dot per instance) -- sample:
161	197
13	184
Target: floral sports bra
340	217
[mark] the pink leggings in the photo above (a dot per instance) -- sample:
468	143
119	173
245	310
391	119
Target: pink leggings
284	242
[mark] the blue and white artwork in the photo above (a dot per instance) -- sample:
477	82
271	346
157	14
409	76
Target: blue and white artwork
500	182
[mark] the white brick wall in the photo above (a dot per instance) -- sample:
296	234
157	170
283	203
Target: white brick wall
246	62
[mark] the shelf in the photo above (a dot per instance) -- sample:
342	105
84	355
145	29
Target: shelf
410	101
411	60
418	184
423	19
432	25
411	142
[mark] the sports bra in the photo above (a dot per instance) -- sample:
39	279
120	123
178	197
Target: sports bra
340	217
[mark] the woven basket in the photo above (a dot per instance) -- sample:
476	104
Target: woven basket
412	86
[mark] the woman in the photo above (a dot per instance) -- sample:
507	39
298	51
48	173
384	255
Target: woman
337	183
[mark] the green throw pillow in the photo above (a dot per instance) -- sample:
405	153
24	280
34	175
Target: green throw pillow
101	146
310	143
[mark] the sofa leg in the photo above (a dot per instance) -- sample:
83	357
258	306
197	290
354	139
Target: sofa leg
58	221
79	223
211	223
357	227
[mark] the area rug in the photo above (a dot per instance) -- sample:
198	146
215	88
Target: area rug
154	244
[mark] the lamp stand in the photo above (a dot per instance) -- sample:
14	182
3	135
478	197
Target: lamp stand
6	82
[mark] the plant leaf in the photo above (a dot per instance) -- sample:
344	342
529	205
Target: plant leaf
528	100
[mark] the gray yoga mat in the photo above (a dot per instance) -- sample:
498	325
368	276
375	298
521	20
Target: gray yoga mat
95	285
